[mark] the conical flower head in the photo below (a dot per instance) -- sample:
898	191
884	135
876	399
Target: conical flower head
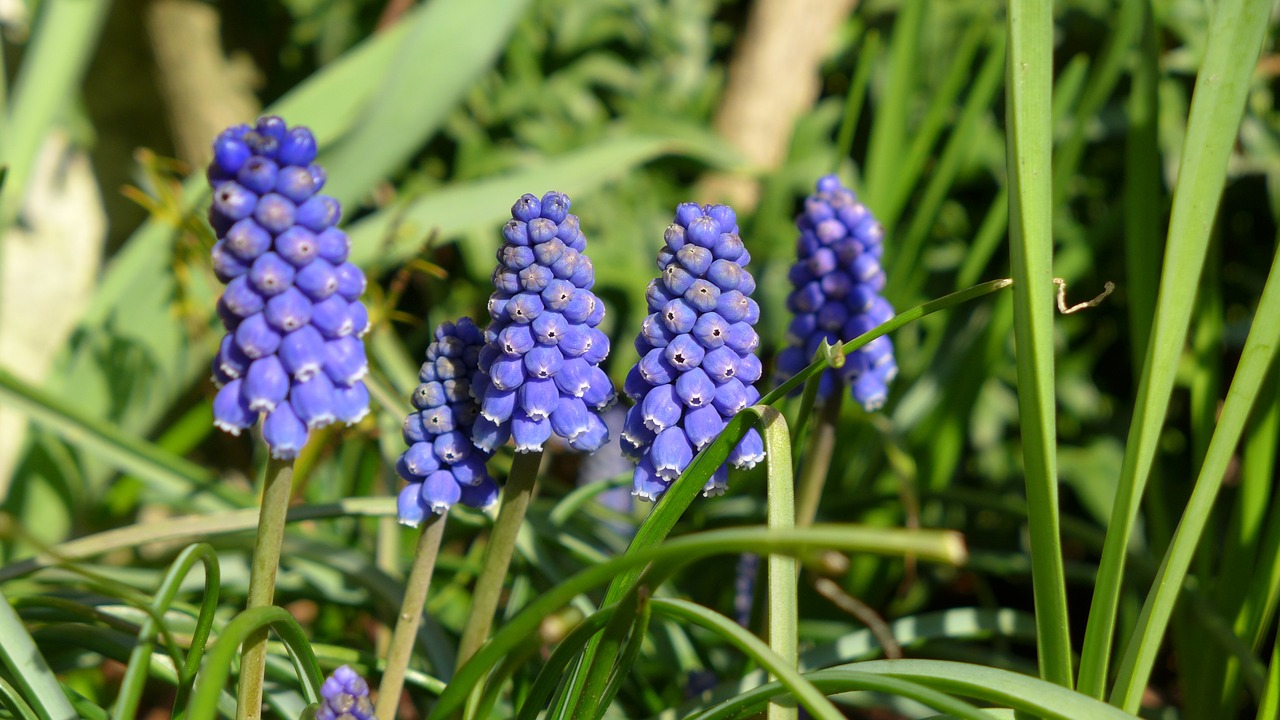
292	305
540	368
697	353
345	696
441	464
837	280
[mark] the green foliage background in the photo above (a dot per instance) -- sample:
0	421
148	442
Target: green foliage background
431	128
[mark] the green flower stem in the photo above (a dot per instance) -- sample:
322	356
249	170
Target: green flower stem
817	459
782	568
415	597
497	556
262	584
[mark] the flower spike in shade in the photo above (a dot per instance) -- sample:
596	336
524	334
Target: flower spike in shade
345	697
540	366
697	353
292	305
442	466
837	281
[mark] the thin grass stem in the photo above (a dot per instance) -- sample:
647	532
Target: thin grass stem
817	457
497	556
781	515
406	632
276	485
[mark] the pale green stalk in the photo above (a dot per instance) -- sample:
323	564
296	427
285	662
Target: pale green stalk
783	604
497	555
262	584
415	597
1029	87
817	457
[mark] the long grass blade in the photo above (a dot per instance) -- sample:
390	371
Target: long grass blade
1030	149
40	687
1235	39
1257	356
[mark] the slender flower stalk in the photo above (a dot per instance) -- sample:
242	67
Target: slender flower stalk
294	321
697	353
497	555
277	482
539	372
415	597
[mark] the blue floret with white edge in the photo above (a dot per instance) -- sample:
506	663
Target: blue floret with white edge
697	353
441	465
291	306
837	280
540	367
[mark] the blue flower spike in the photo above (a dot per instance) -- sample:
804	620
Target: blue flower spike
345	697
292	306
540	366
697	353
442	465
837	280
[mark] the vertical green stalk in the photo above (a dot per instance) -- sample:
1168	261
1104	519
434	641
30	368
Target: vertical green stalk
1255	359
817	457
781	515
1029	88
497	555
406	632
262	583
1217	105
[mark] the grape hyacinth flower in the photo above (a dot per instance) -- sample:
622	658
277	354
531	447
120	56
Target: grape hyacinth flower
539	367
346	697
697	353
837	282
442	466
291	306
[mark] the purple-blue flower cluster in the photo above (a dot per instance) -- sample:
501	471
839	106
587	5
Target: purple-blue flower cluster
442	466
291	306
697	353
838	279
540	365
345	697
